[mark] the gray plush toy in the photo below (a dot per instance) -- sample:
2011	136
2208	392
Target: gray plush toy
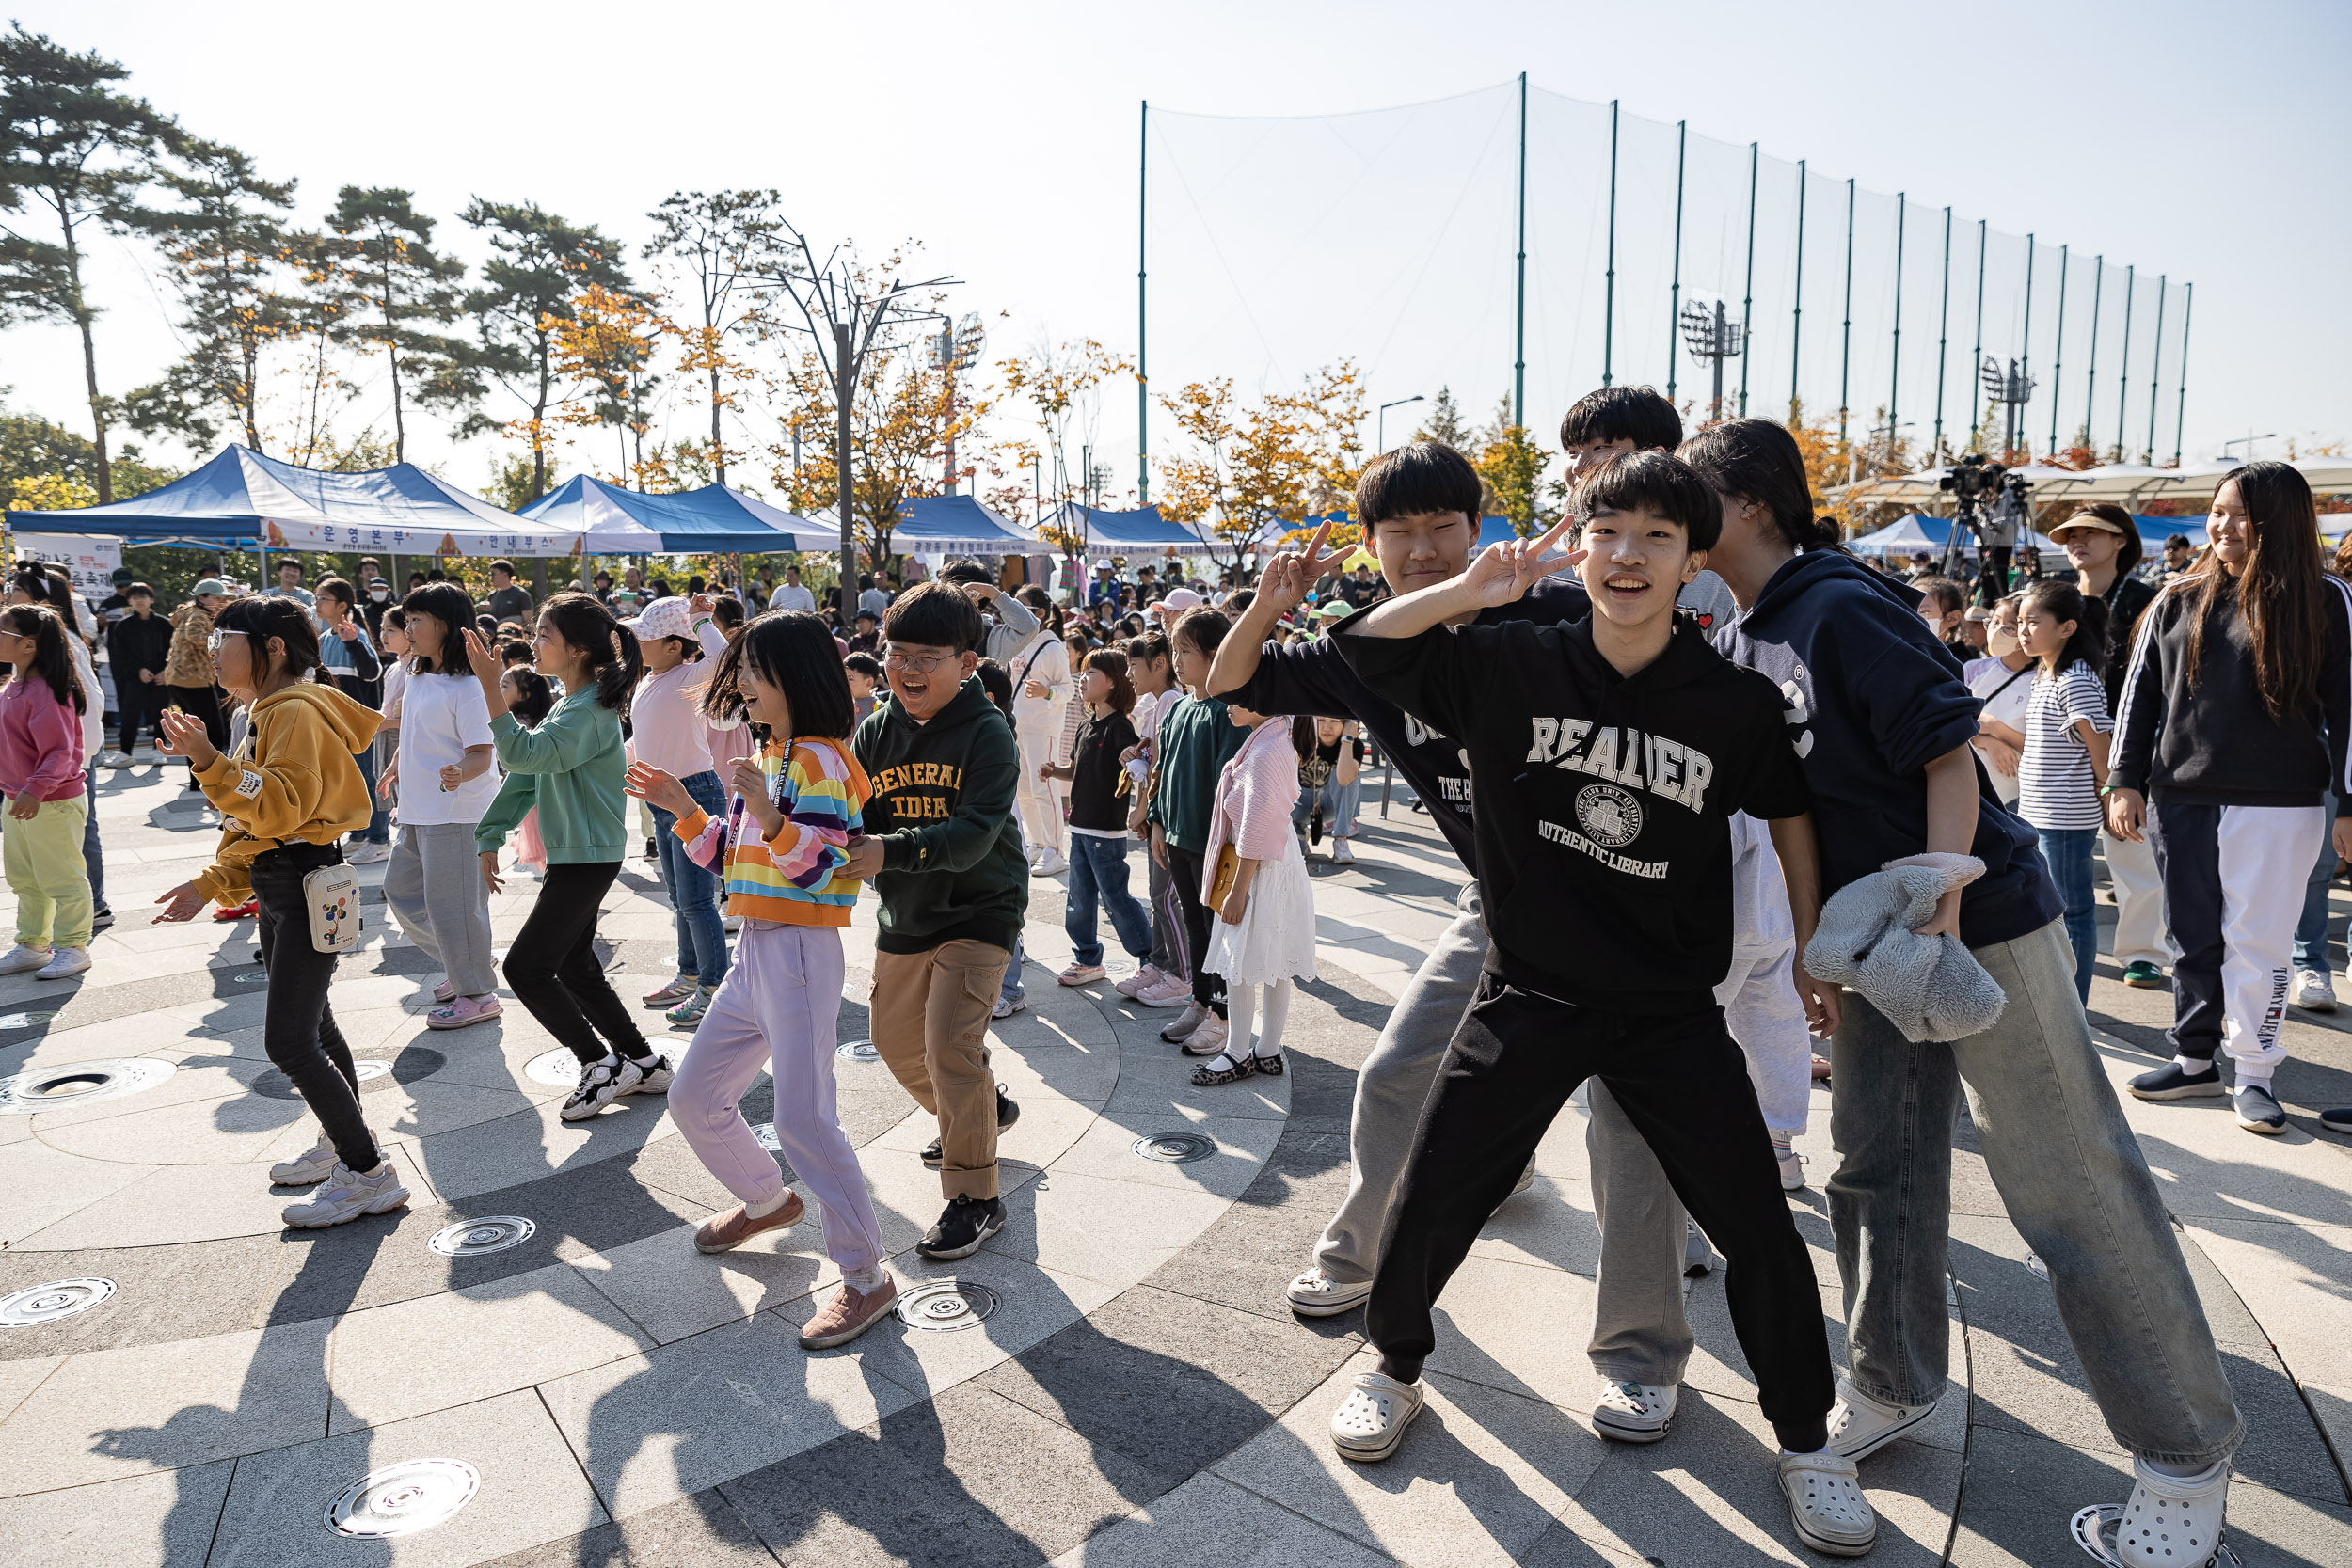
1931	988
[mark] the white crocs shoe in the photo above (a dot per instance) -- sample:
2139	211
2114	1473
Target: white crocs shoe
1826	1503
1634	1412
1371	1423
2168	1522
1317	1295
1859	1425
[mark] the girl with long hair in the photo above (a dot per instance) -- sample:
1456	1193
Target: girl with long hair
2236	712
1263	937
49	585
42	774
570	767
1041	691
2064	760
287	797
347	655
779	847
1883	725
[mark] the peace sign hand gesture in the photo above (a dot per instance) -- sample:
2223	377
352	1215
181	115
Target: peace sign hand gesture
1289	573
1504	572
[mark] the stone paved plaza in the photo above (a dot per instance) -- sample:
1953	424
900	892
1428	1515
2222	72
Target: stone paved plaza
1139	1394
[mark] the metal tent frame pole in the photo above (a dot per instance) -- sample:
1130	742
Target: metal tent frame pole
1747	293
1943	338
2058	352
1674	297
1796	317
2189	303
1608	297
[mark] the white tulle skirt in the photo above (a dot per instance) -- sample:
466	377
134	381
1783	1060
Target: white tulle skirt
1276	938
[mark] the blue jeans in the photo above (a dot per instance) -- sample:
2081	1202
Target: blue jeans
1339	807
1098	866
701	933
92	859
2311	932
379	827
2068	851
1010	989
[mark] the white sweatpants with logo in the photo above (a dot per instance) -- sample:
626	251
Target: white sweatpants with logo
1041	810
2231	898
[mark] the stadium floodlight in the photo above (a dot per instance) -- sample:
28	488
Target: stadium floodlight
2013	389
1711	333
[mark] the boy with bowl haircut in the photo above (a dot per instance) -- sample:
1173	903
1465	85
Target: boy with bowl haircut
1604	778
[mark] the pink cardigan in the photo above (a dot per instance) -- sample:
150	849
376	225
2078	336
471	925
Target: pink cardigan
1254	797
40	742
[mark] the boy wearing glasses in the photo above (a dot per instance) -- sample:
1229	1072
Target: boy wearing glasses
945	854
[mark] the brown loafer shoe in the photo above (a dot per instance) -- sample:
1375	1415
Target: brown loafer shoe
724	1232
851	1313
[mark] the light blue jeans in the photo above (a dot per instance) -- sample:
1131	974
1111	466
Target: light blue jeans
702	934
2068	853
1339	807
2071	1173
2311	932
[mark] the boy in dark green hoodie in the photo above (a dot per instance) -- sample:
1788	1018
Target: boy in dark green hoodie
945	854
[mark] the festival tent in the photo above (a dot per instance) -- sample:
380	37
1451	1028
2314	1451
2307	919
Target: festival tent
1920	531
949	524
715	519
242	494
1142	532
2048	484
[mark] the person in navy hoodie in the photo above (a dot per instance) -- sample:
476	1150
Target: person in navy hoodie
1883	723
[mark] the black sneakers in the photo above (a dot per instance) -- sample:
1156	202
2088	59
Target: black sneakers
968	1222
1007	1113
2170	1082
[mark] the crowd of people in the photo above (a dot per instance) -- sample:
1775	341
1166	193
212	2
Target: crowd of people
1712	721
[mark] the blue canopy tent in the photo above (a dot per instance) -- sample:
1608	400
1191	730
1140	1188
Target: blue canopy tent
1142	532
715	519
1920	531
2154	531
242	496
952	524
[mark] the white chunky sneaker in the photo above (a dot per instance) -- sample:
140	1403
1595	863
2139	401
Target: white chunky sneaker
1371	1422
1826	1503
347	1195
1859	1425
23	957
1317	1295
303	1170
2315	990
2168	1522
600	1084
64	964
1634	1412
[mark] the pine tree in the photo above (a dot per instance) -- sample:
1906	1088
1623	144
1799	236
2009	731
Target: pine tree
1445	423
394	290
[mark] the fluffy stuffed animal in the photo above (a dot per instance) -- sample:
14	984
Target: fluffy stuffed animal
1931	988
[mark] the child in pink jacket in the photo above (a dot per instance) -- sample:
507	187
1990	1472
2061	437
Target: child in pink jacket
1264	935
40	774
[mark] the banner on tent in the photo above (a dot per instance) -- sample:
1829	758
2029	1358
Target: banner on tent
90	560
399	541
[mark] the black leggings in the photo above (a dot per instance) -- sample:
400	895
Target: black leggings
299	1030
1184	869
1513	1061
136	705
202	701
555	973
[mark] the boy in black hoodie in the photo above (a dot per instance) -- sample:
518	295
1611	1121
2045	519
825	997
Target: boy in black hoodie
945	858
1603	779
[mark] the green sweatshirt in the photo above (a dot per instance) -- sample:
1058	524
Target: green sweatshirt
952	867
1197	738
570	767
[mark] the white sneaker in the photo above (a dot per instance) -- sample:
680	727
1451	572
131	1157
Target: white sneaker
600	1084
21	957
1859	1425
63	964
1007	1006
1172	991
1826	1503
1317	1295
113	759
347	1195
1140	981
303	1169
1791	1171
1698	1258
1184	1024
367	854
2315	990
1371	1423
734	922
1049	864
1341	853
1633	1411
2168	1522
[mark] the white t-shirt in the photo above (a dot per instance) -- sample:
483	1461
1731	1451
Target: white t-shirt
2057	788
2004	699
440	716
793	595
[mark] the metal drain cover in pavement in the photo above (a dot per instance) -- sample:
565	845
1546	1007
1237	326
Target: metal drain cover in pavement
251	976
558	1067
365	1068
2036	1267
941	1306
477	1238
766	1133
1175	1149
404	1498
77	1083
857	1051
25	1020
46	1303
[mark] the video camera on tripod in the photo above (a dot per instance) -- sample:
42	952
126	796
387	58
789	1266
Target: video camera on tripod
1981	485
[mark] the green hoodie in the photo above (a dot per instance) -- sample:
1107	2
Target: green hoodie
570	767
952	867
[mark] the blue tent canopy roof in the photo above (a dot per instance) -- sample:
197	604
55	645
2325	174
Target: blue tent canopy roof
947	523
1143	531
714	519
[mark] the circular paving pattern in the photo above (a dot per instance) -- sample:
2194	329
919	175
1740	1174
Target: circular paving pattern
857	1051
80	1082
375	1073
404	1498
46	1304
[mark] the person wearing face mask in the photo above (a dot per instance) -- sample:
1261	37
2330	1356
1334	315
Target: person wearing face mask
2003	682
379	599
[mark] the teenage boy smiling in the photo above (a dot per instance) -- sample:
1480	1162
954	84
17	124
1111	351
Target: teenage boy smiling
1604	780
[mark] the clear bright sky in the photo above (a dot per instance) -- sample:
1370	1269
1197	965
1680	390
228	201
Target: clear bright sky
2204	144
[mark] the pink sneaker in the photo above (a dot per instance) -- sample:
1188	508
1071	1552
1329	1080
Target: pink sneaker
1140	981
462	1011
1173	990
445	993
851	1313
1080	975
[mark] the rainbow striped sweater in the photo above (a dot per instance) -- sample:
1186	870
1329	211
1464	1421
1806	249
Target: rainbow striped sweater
788	878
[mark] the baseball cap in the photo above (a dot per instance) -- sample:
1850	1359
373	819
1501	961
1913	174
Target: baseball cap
211	585
1182	598
668	616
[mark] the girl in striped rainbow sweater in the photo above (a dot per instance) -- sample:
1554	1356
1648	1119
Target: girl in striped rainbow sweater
785	834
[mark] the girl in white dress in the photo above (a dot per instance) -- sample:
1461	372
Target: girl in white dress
1263	936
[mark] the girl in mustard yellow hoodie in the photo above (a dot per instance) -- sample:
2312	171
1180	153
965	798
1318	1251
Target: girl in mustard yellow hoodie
286	799
780	850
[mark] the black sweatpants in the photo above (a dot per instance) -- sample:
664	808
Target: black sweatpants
1184	869
201	701
1513	1063
553	967
137	705
298	1028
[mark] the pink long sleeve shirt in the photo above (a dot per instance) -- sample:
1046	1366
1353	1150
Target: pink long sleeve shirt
41	743
1254	796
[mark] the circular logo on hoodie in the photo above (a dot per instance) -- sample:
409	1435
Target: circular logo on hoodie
1610	817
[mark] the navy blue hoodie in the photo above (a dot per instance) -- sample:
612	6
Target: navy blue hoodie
1875	698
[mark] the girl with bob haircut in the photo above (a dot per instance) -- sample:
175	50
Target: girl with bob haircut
286	798
778	849
2236	710
570	767
42	757
1883	722
1098	820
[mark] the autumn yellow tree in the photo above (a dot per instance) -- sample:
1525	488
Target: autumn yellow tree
1293	454
1058	387
605	350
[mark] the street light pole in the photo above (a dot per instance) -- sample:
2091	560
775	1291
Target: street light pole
845	384
1381	421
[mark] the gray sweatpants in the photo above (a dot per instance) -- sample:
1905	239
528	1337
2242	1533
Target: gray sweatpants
1393	1085
433	885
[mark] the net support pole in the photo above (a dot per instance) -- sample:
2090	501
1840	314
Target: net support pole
845	381
2090	390
1674	296
2025	359
1143	383
2123	374
1895	380
1844	353
1943	338
2156	370
2057	351
1976	359
1796	314
1609	293
1518	368
2189	303
1747	290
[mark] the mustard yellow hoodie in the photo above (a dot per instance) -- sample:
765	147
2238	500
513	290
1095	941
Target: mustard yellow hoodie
295	780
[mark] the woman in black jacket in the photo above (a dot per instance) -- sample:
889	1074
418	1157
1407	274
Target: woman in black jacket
2235	713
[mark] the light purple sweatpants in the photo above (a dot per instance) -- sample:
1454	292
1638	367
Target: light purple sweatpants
782	1000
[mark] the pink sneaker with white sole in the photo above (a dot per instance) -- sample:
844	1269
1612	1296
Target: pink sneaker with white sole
462	1011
